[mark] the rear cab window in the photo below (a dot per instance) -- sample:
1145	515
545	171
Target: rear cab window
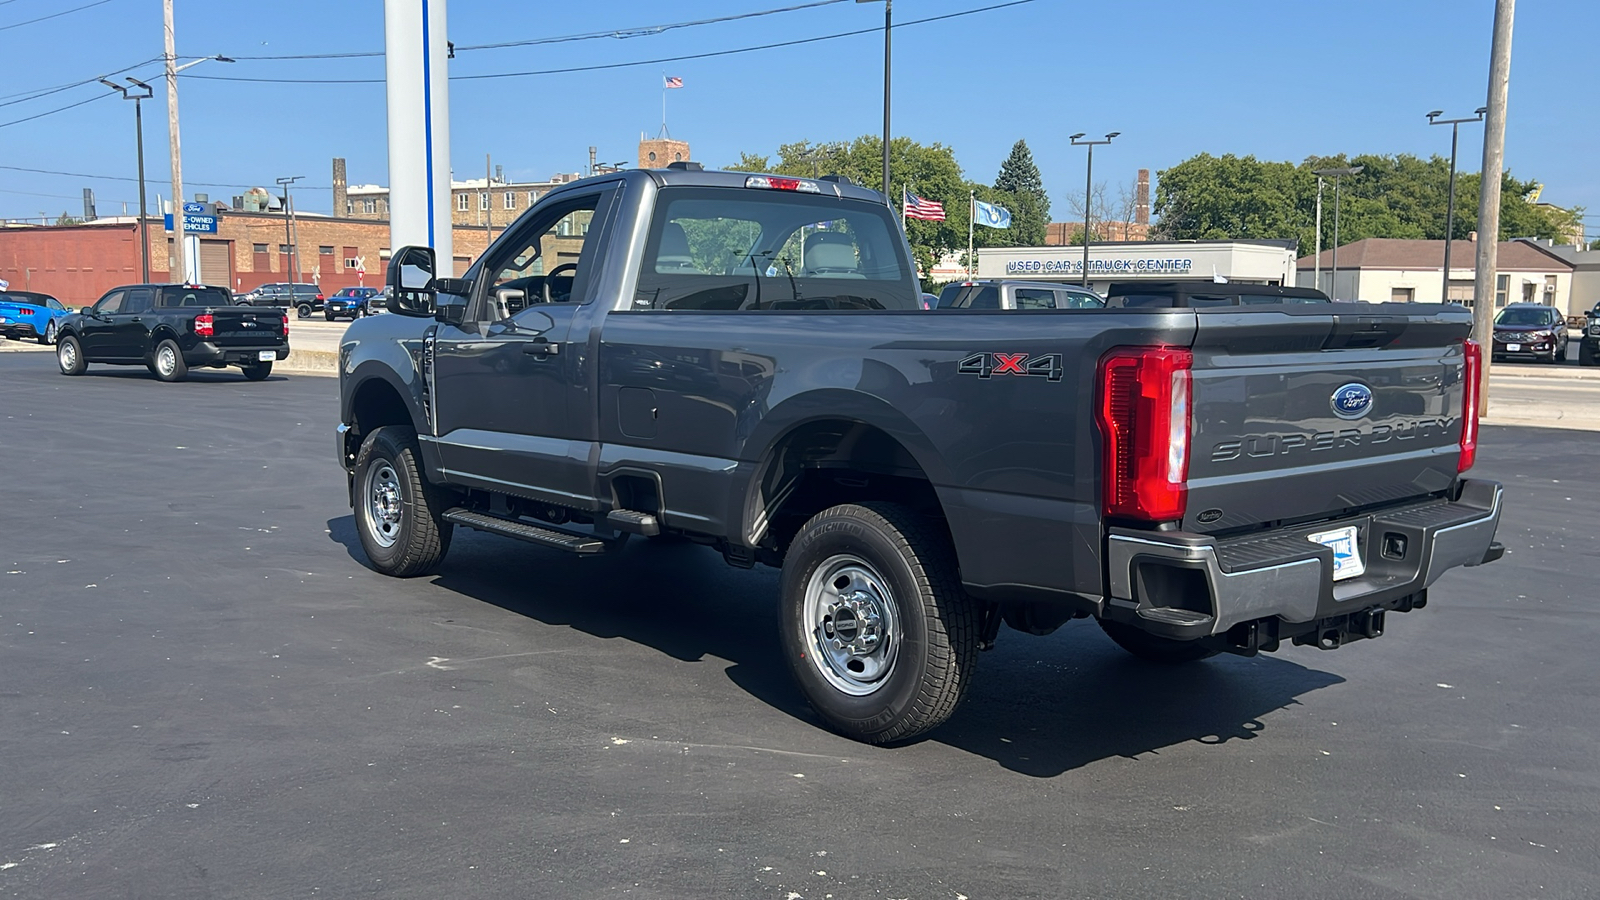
747	249
192	297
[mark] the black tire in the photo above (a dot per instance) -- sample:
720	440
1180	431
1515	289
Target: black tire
416	540
166	361
69	356
1155	649
1586	356
303	310
927	651
49	335
257	371
328	315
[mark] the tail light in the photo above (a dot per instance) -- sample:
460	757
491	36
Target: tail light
1144	415
320	297
1470	373
286	325
204	326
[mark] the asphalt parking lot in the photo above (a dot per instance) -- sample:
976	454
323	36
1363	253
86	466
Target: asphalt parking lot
205	693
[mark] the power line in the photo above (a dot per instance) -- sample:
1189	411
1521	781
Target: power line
58	109
55	15
624	65
130	178
621	33
45	92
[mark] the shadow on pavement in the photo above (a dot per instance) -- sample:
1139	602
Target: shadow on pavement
1038	707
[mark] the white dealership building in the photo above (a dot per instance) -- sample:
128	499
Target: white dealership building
1252	262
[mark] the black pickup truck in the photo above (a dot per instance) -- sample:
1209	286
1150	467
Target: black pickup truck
742	361
171	328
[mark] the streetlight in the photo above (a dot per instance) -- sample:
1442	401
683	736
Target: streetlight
1088	191
1450	208
179	271
888	24
288	239
138	91
1336	174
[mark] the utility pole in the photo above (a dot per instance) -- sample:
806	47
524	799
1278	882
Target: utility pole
888	27
1494	153
288	227
178	272
488	193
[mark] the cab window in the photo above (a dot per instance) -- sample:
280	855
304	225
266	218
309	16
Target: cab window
547	263
109	304
137	300
1035	298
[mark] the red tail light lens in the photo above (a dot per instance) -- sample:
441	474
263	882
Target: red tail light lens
286	325
204	326
1144	416
1470	373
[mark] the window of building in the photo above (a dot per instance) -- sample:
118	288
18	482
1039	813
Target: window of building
511	200
283	248
463	202
1401	295
1502	284
1460	292
369	206
259	248
324	251
1550	289
652	156
352	258
349	207
483	200
533	197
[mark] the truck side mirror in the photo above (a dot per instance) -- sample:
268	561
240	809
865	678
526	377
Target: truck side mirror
410	282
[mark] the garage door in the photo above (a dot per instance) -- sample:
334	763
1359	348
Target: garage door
216	263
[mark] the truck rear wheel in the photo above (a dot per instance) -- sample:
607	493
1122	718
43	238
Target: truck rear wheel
1586	355
397	511
257	371
876	627
1153	648
167	362
69	356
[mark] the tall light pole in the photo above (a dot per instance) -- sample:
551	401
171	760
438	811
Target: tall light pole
180	268
1316	258
288	218
1088	192
888	27
1450	205
1494	150
1337	175
138	91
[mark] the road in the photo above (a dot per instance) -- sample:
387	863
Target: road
206	693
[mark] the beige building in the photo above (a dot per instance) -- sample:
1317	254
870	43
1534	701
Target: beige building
1384	270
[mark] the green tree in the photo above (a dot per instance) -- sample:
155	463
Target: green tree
750	162
67	219
1020	180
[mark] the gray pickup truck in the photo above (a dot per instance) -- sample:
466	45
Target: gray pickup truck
741	360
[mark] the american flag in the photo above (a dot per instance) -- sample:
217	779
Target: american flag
673	81
918	208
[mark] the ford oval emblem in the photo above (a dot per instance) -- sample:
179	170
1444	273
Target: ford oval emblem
1351	401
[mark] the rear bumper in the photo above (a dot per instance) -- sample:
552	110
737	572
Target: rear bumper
1222	583
19	331
206	353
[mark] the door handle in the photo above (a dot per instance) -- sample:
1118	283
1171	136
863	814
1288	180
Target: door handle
541	348
137	319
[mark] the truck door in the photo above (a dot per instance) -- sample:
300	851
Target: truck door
130	326
95	331
509	382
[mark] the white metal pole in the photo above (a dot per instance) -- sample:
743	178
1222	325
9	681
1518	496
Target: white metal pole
1316	265
179	269
417	68
972	214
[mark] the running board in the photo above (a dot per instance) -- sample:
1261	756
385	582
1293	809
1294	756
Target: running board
524	531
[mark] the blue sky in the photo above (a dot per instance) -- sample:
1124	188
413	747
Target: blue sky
1280	80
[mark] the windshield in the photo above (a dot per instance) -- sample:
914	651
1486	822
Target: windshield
1523	317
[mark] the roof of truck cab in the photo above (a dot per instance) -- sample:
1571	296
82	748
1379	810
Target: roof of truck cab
712	178
1123	288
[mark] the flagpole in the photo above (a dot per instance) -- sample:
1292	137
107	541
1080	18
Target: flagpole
972	214
663	104
903	191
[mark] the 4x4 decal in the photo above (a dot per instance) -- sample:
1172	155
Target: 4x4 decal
985	365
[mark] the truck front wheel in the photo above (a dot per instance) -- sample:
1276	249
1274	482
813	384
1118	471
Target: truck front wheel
875	625
1153	648
397	511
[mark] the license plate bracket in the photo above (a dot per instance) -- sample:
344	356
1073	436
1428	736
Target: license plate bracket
1513	348
1346	547
266	355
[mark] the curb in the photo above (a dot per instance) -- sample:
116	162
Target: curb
310	362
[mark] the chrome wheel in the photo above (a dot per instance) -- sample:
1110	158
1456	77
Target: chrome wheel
385	510
67	356
854	626
166	360
50	332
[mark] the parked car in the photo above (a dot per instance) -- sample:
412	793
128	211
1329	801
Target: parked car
1589	345
1530	331
351	303
304	299
29	314
1197	480
170	328
1204	294
1017	295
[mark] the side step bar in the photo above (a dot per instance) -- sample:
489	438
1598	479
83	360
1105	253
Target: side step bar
523	531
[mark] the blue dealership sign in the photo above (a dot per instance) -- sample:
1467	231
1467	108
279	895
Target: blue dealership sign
194	224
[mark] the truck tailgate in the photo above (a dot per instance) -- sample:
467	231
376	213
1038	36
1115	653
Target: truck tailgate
1301	414
247	326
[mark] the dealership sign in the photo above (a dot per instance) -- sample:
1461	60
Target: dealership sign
196	219
1145	266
